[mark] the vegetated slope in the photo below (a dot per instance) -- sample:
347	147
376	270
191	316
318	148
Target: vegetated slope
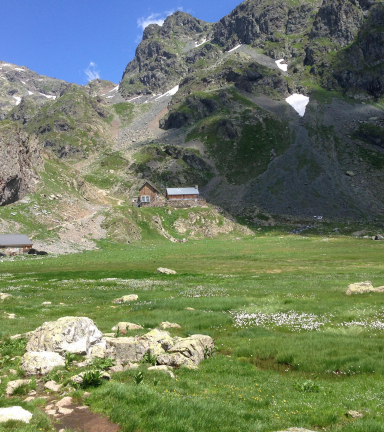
262	157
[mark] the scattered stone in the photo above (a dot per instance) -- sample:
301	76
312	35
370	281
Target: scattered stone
350	174
65	402
86	394
29	399
117	368
10	315
35	363
65	411
362	288
13	371
189	308
68	334
15	413
13	385
162	368
126	298
123	326
82	408
354	414
166	271
359	288
167	325
32	393
53	386
46	303
51	412
4	296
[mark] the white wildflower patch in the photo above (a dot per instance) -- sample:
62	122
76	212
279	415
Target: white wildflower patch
204	291
292	320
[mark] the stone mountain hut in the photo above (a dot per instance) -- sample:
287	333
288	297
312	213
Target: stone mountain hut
15	244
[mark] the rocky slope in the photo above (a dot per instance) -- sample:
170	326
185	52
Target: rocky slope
20	159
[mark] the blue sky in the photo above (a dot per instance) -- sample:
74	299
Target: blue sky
75	40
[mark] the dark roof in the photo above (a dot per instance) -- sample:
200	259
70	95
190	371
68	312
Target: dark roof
150	184
14	240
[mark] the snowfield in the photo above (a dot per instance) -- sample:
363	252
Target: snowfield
280	65
298	102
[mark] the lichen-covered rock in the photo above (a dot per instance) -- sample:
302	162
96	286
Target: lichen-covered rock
161	337
131	349
166	271
40	363
68	334
176	360
98	350
360	288
188	352
16	413
167	325
126	326
126	298
13	385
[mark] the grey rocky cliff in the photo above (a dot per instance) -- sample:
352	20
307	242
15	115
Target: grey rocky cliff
159	62
20	162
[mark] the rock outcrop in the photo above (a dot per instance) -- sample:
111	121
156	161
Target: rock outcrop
76	335
20	162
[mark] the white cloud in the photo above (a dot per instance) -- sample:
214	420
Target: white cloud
155	18
91	72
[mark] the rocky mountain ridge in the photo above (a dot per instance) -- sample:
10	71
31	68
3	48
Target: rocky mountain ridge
205	104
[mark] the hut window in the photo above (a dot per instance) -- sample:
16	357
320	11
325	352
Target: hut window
146	198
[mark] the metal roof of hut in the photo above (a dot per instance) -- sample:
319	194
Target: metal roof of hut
182	191
14	240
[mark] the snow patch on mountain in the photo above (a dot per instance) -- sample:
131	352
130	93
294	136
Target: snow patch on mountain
280	65
233	49
298	102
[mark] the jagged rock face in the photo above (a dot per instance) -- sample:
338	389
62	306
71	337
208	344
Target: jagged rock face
338	20
361	66
159	63
20	159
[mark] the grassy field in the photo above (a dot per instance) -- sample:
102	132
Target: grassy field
292	348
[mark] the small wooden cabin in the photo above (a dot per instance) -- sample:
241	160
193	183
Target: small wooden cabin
177	194
15	244
149	195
